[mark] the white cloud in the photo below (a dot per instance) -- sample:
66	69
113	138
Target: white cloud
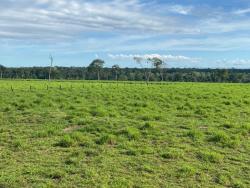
73	17
237	63
50	19
242	11
179	9
166	58
73	21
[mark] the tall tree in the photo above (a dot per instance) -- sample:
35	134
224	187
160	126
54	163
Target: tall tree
2	69
116	69
97	66
51	65
159	65
145	65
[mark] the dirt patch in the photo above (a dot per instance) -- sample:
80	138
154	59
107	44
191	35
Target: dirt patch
71	128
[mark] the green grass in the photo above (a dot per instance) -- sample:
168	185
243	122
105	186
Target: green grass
97	134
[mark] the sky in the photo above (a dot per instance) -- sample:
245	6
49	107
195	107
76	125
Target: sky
185	33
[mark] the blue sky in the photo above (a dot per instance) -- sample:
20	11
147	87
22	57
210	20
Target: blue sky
185	33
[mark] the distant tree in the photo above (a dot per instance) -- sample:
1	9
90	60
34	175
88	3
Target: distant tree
2	69
224	75
51	65
116	69
97	66
159	65
145	64
137	74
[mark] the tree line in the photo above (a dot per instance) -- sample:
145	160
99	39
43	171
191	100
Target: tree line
157	72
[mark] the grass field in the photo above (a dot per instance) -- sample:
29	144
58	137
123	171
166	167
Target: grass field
83	134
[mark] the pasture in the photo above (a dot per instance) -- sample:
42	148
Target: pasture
89	134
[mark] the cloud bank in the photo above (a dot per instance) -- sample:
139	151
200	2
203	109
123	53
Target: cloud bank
166	58
46	20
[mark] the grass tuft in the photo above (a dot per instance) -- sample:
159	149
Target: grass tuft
107	139
210	156
186	171
131	133
66	142
172	154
